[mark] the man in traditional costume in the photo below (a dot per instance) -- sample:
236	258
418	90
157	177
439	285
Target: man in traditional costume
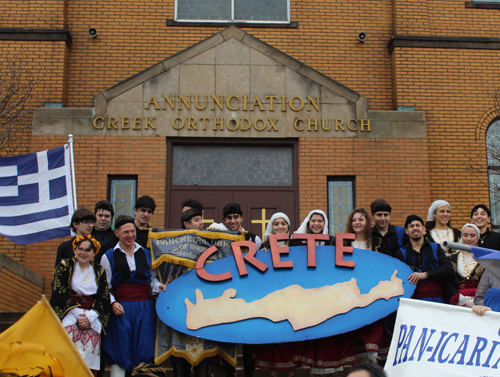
144	210
232	215
383	232
428	261
130	340
191	204
192	219
102	231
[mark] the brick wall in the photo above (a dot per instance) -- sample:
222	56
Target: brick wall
448	84
21	287
444	18
404	185
452	90
17	294
133	36
33	14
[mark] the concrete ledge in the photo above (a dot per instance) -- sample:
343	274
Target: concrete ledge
76	121
21	271
417	41
396	125
27	34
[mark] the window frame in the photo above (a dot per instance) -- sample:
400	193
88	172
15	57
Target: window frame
492	186
340	178
120	177
232	21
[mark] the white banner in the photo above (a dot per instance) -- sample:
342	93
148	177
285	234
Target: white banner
433	339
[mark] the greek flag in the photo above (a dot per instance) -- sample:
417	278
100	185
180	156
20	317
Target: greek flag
36	196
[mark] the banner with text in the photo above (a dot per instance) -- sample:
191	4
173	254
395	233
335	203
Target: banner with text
443	340
175	252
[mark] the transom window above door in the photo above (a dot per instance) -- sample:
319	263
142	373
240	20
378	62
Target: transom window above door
272	11
232	165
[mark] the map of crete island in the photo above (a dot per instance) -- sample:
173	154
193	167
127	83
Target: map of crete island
291	304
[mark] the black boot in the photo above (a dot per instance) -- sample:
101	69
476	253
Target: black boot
182	369
201	370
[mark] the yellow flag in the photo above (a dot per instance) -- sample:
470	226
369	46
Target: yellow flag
38	342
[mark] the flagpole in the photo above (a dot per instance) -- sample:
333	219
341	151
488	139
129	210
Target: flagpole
72	160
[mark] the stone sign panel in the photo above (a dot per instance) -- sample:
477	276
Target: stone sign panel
231	85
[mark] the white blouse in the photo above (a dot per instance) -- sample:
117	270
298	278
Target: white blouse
84	283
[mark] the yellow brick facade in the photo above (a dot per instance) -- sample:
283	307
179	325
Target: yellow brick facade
448	84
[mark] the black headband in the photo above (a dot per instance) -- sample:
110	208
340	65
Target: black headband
122	222
382	208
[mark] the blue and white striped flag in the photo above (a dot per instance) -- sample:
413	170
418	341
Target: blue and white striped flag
36	198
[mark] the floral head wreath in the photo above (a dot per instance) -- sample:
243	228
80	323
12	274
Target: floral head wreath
87	237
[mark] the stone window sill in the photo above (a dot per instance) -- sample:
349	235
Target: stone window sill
479	5
290	25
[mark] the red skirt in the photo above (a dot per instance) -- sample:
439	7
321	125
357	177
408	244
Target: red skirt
343	349
279	355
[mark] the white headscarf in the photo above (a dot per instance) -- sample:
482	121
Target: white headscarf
269	229
434	207
303	227
472	226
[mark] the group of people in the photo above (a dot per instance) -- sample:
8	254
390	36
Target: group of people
103	282
102	287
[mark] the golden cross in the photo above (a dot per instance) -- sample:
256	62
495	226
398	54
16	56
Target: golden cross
206	221
262	221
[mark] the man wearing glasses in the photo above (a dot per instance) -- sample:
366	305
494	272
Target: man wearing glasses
143	211
82	222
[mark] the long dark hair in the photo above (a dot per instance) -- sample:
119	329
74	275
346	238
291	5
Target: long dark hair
367	232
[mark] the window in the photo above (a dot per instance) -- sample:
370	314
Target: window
493	154
246	11
224	166
340	202
122	193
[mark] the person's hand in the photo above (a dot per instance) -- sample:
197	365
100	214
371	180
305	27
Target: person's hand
416	277
480	309
83	322
162	287
117	308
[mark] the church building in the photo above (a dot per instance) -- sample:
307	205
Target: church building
278	105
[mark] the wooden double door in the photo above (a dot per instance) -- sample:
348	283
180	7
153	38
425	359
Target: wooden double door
257	203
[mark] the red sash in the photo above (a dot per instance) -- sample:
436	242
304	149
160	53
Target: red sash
85	302
466	288
467	284
428	289
132	292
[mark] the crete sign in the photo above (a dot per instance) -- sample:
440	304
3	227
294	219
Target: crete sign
267	114
284	294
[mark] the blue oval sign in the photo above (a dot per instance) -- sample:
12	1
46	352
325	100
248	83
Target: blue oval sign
284	305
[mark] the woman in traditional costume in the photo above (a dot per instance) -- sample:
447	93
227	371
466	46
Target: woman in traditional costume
279	355
371	341
438	225
80	298
316	222
325	355
462	288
